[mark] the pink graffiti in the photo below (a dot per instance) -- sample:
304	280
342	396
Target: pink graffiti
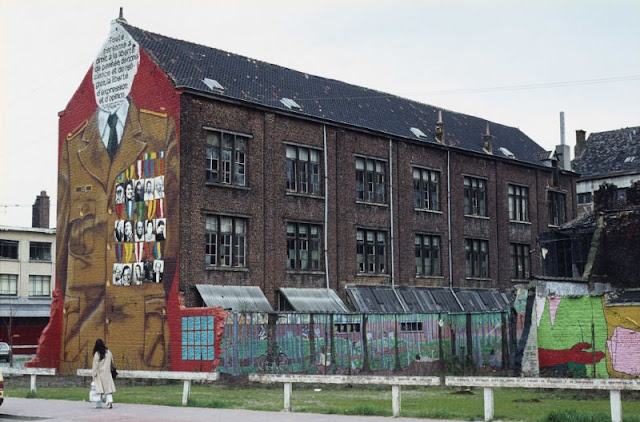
624	348
554	302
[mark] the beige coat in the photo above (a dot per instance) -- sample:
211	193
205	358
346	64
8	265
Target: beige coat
101	372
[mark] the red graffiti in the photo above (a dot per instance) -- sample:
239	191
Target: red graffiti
575	354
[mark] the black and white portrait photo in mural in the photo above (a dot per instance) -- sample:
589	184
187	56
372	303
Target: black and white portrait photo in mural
158	270
159	187
139	196
117	275
148	190
138	273
161	229
128	231
126	275
118	231
149	232
139	237
119	193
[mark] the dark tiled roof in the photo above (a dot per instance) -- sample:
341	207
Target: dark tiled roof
257	82
608	152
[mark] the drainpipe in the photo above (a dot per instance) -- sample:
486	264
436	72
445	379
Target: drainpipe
449	228
326	206
392	228
393	284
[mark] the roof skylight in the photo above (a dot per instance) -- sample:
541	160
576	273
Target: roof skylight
506	152
213	84
418	133
290	104
630	159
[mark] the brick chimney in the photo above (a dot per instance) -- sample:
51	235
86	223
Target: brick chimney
40	211
581	143
440	129
487	144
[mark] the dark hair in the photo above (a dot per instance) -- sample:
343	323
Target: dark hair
100	348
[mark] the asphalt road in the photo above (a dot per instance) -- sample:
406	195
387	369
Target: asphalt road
18	409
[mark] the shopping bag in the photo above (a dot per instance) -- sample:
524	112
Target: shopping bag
93	394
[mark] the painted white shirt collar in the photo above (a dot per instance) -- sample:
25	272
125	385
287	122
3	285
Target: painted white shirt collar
103	126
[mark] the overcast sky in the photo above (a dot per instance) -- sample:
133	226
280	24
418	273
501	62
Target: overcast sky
518	63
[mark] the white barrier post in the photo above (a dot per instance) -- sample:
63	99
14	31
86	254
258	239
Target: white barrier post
287	396
488	403
33	384
396	400
616	406
185	392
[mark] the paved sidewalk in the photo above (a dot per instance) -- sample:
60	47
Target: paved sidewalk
17	409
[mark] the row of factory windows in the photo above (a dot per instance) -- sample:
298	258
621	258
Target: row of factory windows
226	163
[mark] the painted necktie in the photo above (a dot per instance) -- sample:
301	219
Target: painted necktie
112	146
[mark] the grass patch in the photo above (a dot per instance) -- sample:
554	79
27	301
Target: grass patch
573	416
511	404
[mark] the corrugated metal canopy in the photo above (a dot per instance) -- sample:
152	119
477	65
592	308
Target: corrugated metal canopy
237	298
374	299
381	299
314	300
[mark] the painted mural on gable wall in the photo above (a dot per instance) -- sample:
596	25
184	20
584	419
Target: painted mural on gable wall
117	244
585	337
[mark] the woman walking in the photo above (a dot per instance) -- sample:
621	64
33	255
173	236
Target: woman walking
101	372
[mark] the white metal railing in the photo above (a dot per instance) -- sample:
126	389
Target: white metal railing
394	381
187	377
33	372
489	383
614	386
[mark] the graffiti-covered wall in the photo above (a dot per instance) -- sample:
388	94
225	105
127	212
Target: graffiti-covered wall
350	344
581	335
623	338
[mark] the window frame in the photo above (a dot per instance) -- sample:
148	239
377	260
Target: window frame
557	207
475	196
518	199
39	279
476	259
520	254
39	247
585	195
228	154
303	176
426	191
427	253
371	180
225	249
371	252
8	280
296	242
7	246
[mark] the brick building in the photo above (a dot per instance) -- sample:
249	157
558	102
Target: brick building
291	180
190	176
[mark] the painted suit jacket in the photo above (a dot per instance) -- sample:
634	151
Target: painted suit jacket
93	308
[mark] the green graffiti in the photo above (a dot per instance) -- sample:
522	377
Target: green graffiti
577	320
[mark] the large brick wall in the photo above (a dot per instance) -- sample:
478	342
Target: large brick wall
266	204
